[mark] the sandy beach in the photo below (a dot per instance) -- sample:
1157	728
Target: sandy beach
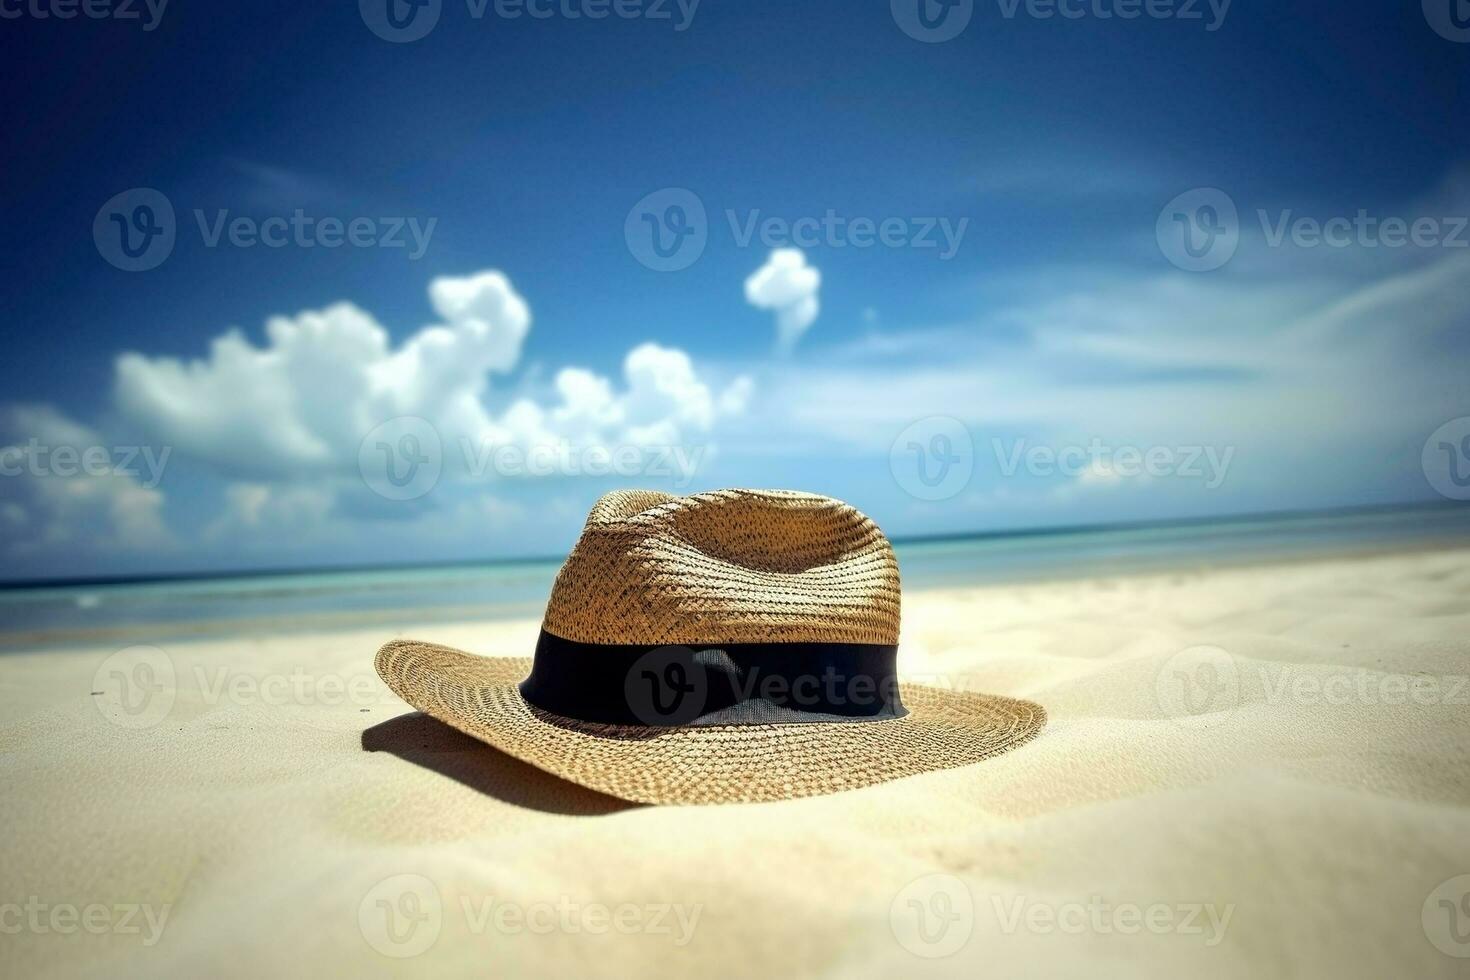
1254	771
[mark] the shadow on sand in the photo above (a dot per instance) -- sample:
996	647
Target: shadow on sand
428	742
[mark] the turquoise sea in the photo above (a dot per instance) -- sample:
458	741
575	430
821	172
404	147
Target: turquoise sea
35	616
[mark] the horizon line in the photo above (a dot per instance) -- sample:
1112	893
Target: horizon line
971	535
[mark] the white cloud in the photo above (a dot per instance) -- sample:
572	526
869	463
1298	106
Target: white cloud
283	423
303	403
1319	387
324	379
65	486
788	287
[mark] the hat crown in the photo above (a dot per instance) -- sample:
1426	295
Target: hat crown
728	566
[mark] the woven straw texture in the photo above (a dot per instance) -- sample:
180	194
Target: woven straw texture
738	764
730	566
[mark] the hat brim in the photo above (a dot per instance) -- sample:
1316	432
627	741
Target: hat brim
479	696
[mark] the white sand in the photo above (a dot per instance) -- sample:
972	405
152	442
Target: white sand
1299	826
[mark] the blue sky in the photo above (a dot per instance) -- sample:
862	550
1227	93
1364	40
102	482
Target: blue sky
1297	374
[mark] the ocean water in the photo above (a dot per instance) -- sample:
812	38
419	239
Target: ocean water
142	611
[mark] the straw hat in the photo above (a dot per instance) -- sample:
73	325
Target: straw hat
732	646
